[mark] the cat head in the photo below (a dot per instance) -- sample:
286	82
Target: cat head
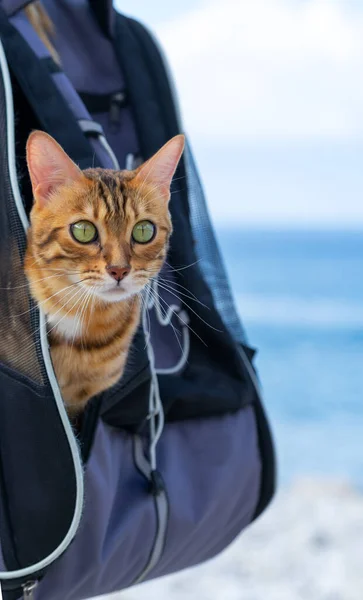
100	229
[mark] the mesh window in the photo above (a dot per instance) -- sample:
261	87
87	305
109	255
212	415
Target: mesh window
211	263
19	324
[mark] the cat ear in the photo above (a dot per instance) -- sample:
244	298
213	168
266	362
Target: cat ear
49	166
158	171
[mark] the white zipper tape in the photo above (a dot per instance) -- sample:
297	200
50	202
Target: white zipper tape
10	133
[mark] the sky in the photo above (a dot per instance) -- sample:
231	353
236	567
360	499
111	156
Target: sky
271	94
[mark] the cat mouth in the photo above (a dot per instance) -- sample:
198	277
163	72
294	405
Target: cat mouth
117	289
114	293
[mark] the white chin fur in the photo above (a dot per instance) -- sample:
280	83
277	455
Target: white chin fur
71	328
115	294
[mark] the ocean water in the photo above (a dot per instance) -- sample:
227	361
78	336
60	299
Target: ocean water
300	296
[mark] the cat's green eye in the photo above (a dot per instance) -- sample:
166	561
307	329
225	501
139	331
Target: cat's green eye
143	232
84	232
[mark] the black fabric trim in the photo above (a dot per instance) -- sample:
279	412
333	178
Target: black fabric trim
48	105
100	103
6	528
12	594
30	419
103	13
51	65
142	84
126	404
88	426
268	459
160	79
266	447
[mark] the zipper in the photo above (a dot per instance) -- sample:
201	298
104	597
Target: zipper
28	589
22	587
158	493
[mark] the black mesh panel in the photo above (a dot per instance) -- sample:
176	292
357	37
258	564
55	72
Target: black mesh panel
206	248
19	340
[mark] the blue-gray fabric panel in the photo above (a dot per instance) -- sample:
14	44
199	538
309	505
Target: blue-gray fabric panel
78	35
117	529
211	471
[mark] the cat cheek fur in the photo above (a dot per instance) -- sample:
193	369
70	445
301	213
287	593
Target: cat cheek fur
90	333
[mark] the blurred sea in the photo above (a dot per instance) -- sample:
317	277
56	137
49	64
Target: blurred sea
300	296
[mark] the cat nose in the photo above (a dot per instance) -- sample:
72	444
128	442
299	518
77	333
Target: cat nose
118	273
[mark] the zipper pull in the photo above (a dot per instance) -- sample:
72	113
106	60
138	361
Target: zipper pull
28	590
117	101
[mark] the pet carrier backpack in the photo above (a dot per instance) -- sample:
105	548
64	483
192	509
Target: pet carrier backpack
174	461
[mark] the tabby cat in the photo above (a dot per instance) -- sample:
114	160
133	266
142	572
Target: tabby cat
96	239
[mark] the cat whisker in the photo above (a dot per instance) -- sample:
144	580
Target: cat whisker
174	282
170	284
37	330
41	302
159	299
145	310
78	319
182	320
93	297
146	205
65	271
177	270
83	292
84	312
188	306
178	178
152	190
26	285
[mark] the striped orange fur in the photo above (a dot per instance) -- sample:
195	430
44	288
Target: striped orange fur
90	292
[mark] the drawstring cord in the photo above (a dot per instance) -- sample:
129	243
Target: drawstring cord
156	412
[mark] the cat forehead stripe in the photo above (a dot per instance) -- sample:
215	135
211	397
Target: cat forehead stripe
110	189
103	193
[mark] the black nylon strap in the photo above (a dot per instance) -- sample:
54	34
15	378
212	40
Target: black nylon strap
43	95
148	105
100	103
51	65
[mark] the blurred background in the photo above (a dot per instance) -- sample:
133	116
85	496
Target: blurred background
271	93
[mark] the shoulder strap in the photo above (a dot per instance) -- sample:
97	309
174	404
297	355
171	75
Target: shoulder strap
47	103
137	53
